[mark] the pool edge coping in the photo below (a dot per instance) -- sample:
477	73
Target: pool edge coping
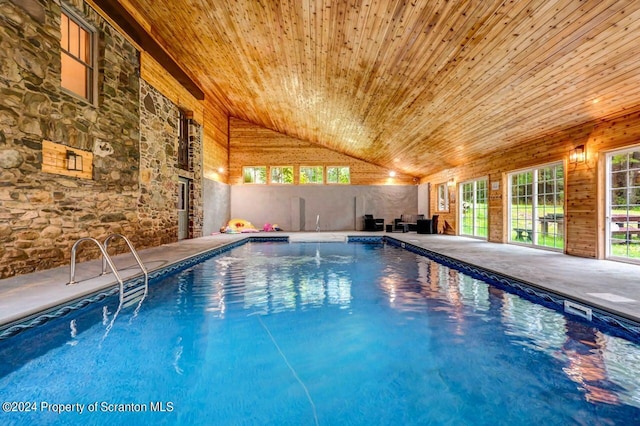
617	322
612	320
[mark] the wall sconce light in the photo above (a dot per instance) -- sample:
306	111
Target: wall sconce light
392	173
577	155
451	182
74	161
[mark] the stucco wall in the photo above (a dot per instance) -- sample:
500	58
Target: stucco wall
216	206
296	208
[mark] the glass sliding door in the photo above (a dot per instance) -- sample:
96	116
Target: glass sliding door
536	206
474	208
521	207
623	205
550	207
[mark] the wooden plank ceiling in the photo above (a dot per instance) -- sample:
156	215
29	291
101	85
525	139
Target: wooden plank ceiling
414	85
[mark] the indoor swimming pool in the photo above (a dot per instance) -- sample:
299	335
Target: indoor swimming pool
319	333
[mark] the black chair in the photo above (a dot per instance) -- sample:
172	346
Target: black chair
399	226
371	224
424	226
414	225
427	226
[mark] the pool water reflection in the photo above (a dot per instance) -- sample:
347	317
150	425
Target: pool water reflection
326	333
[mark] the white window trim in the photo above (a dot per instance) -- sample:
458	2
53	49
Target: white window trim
444	201
534	196
607	191
461	209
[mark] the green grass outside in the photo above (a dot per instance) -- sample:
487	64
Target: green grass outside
553	238
482	223
629	249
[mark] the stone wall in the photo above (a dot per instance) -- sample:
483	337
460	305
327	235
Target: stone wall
43	214
196	201
159	119
159	135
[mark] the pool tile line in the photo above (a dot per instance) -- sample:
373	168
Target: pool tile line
13	328
617	325
365	239
40	318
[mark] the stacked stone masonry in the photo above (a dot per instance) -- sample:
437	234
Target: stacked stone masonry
134	185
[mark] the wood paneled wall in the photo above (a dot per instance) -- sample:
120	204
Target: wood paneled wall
216	141
584	182
253	145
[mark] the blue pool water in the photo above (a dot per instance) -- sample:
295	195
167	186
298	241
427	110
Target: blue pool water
329	334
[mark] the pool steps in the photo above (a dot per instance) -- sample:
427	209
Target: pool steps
128	294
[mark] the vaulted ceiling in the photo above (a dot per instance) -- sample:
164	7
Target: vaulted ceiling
414	85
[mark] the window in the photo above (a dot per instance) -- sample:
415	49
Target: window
337	174
282	174
623	205
536	206
474	208
443	197
184	140
183	195
254	174
311	174
77	55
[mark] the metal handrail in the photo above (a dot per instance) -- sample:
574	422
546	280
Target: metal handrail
131	248
136	257
105	257
106	260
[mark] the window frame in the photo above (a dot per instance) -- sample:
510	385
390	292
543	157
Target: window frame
300	174
282	168
339	168
184	141
534	235
91	67
609	206
183	195
254	169
442	198
473	208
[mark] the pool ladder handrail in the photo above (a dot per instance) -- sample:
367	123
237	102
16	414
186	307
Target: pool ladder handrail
106	260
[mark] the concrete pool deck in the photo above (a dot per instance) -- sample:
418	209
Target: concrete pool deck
607	285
